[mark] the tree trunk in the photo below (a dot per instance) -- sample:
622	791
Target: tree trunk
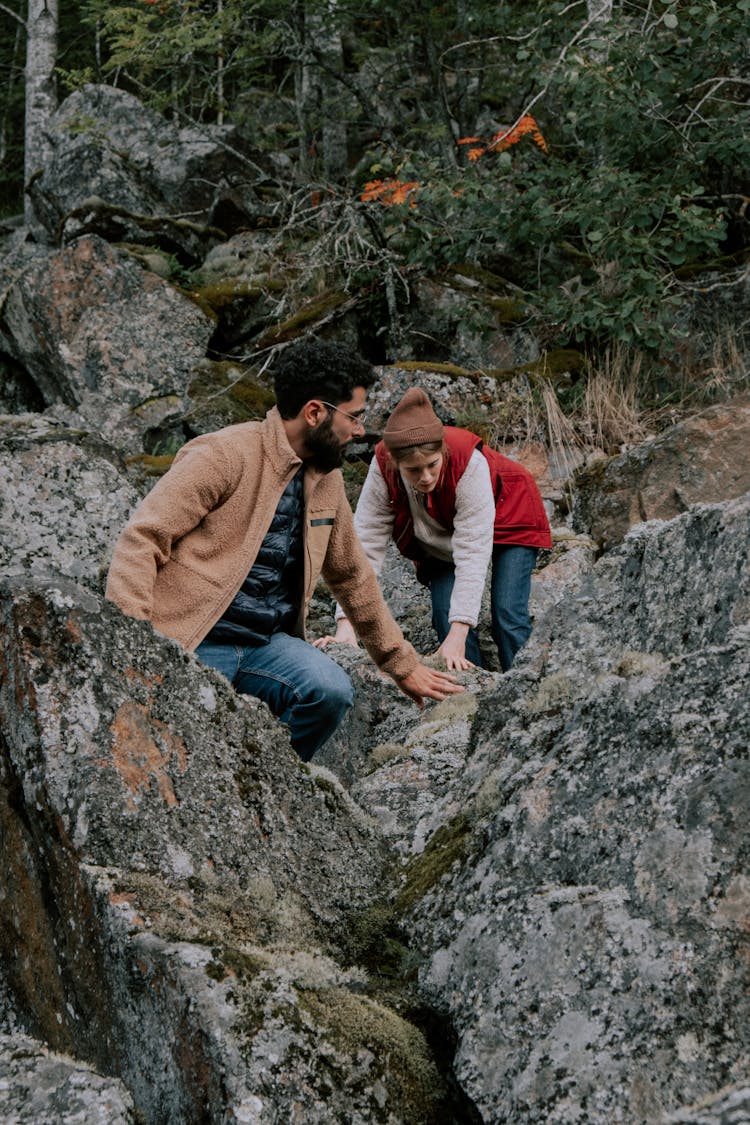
220	63
599	13
320	93
333	109
41	94
437	82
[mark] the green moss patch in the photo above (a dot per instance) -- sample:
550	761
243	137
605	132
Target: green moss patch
449	844
354	1023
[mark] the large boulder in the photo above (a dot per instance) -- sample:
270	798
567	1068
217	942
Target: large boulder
582	916
117	166
703	459
88	324
548	869
64	498
178	885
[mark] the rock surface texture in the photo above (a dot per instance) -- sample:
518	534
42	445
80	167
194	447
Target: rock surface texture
703	459
39	1087
551	870
529	903
121	167
69	320
588	933
176	881
63	499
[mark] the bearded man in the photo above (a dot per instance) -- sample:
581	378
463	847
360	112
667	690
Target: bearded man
224	553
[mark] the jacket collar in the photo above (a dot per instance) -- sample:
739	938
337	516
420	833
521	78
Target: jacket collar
284	459
277	446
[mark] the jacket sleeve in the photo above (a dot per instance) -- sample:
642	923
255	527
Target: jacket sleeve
193	486
353	582
471	542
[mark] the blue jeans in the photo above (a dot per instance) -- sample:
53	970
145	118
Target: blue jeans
304	688
509	601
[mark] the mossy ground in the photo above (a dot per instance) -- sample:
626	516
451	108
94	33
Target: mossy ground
415	1086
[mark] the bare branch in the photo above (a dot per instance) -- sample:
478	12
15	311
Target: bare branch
558	62
744	276
14	15
507	38
717	84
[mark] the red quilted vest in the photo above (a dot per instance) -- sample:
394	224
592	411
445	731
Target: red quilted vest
520	518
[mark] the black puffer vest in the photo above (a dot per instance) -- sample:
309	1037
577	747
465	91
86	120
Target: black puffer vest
268	600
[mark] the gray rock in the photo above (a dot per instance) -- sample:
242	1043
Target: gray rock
88	324
458	320
176	882
581	916
702	459
39	1087
559	855
115	164
727	1107
64	498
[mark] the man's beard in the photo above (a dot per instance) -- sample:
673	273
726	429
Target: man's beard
325	451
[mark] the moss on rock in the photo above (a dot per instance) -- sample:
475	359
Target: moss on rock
356	1022
449	844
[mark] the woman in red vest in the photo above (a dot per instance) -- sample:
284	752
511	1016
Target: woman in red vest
453	505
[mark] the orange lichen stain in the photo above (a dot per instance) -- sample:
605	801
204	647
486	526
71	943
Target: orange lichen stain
137	756
118	897
72	631
133	676
136	920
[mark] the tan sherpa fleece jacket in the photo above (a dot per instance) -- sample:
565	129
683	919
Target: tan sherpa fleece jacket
189	545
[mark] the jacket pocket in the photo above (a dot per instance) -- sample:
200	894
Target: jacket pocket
518	508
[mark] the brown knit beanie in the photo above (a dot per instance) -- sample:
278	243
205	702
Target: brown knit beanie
413	422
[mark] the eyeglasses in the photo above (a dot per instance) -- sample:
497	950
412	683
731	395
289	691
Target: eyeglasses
358	418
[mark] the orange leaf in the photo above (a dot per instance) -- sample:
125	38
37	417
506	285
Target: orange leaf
389	192
526	125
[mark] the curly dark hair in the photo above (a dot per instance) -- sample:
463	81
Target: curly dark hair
313	368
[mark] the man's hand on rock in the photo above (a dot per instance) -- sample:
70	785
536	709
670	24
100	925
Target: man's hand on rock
426	683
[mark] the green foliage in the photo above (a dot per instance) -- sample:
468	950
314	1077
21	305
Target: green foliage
185	55
647	125
645	116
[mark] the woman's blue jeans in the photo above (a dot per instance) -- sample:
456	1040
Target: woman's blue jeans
509	601
304	688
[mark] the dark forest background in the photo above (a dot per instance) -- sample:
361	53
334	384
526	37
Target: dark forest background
587	158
